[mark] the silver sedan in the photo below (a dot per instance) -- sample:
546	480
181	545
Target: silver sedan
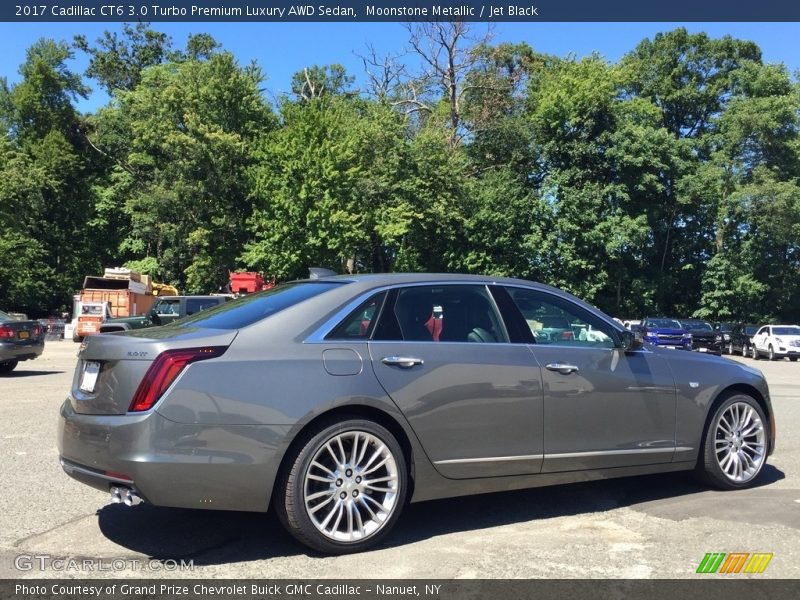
339	400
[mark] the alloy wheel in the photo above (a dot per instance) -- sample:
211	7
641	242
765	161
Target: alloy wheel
740	442
351	486
730	348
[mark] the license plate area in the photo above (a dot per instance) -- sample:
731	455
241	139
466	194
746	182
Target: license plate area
24	334
91	370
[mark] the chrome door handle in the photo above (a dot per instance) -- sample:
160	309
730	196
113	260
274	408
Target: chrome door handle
405	362
562	368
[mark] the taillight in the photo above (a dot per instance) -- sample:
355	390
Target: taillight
164	370
7	332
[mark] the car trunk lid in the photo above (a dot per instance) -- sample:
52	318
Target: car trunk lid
111	366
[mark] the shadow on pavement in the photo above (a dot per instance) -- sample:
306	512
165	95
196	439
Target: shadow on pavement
17	374
211	537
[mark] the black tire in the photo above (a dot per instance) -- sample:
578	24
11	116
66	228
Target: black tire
771	353
291	486
754	353
730	348
77	338
8	366
708	468
793	358
745	350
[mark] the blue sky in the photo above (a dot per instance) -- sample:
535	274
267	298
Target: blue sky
284	48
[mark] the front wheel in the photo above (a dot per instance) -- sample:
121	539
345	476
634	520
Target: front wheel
730	348
343	491
745	350
754	353
735	445
8	366
770	353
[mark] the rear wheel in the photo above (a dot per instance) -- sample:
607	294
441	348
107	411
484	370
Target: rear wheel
343	491
735	445
792	358
730	347
8	366
745	350
77	338
754	353
770	353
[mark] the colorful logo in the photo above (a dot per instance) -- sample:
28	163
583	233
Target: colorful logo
734	562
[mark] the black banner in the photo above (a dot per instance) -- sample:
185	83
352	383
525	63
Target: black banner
394	10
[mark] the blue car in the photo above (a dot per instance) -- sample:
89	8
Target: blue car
668	333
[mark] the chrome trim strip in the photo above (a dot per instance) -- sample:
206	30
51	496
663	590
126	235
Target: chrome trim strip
459	461
618	452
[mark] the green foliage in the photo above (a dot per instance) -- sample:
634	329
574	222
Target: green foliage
668	182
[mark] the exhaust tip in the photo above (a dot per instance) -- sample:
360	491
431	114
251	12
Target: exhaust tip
132	498
126	496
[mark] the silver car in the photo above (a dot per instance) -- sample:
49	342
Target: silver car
341	399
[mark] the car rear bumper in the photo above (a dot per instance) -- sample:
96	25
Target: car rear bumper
20	351
172	464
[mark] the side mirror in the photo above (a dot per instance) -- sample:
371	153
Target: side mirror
631	340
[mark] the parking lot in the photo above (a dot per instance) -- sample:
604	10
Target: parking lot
654	526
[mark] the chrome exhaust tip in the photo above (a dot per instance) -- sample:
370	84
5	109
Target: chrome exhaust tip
131	498
116	495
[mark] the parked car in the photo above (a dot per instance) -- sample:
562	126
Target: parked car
19	340
703	337
666	332
166	310
338	400
776	341
739	339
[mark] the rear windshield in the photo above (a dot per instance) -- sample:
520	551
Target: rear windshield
246	311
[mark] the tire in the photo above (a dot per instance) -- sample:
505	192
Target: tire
793	358
366	514
735	445
8	366
745	350
77	338
770	353
754	353
730	348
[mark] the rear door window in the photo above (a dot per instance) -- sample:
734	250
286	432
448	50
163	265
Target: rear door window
442	313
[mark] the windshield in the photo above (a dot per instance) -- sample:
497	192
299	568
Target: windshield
92	309
248	310
664	323
4	316
697	325
786	331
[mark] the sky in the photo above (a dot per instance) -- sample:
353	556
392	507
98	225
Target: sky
282	49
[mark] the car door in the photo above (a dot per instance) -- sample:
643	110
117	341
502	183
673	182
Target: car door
760	339
603	407
442	353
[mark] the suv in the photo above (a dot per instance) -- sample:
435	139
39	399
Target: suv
665	332
736	340
166	310
777	341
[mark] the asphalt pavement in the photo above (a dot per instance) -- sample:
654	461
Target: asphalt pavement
640	527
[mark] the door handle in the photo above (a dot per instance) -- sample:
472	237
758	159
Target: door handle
562	368
405	362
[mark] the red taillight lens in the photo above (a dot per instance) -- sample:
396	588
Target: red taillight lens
164	370
7	332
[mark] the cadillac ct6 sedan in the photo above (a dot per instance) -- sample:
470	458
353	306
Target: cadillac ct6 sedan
339	400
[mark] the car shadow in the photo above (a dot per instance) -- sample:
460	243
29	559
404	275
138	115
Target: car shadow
221	537
17	374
